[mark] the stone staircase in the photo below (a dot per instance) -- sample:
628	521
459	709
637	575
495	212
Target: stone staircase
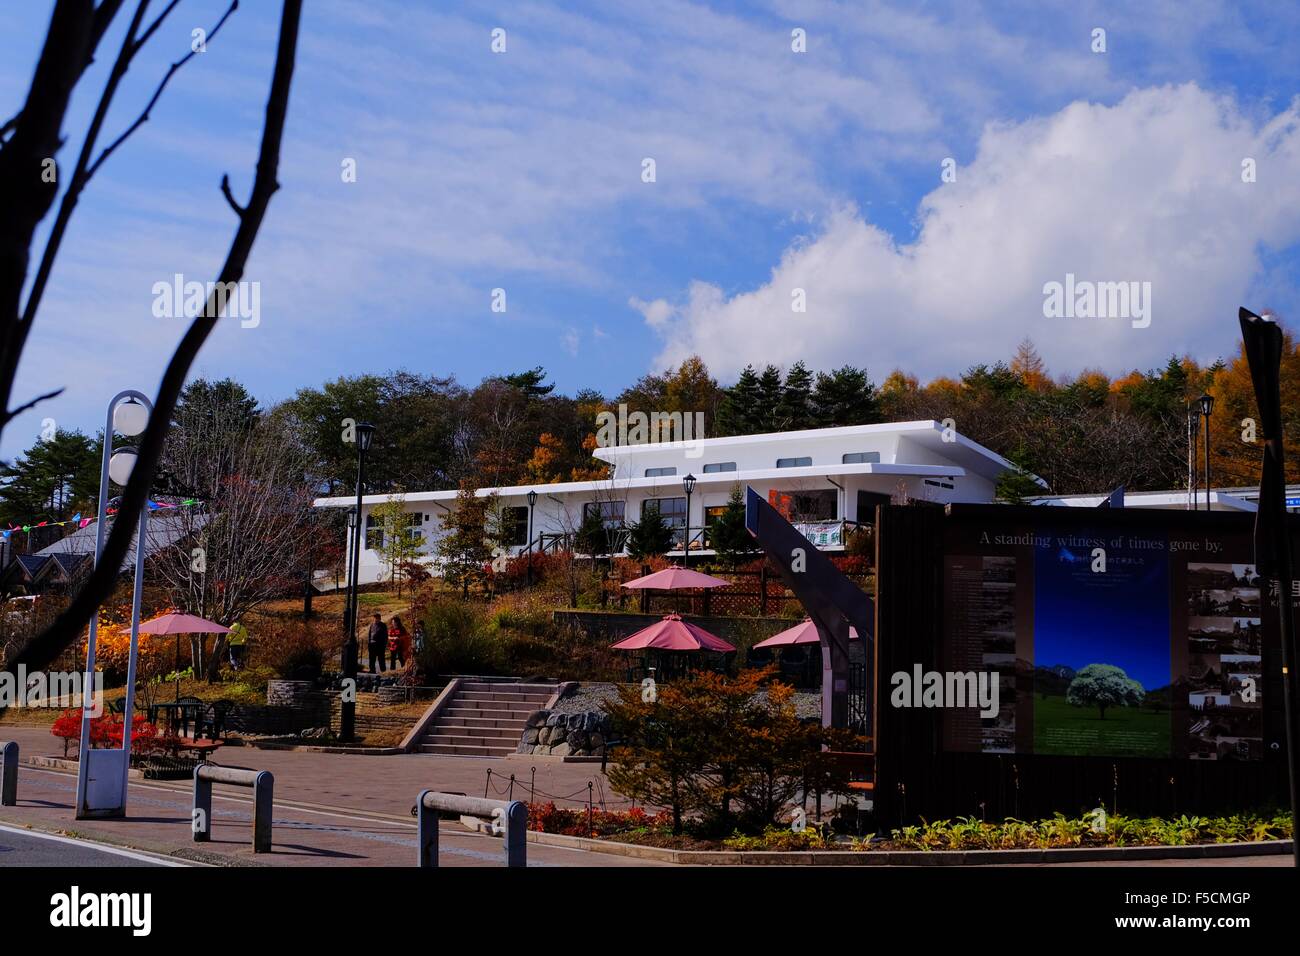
485	719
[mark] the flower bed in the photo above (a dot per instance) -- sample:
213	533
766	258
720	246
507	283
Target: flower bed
964	833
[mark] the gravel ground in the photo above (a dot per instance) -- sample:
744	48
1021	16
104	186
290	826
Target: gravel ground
589	695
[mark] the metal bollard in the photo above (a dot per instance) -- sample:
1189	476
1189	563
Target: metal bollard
263	784
512	813
8	773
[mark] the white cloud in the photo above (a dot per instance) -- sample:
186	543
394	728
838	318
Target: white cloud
1149	189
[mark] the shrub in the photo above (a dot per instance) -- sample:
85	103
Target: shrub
716	747
292	649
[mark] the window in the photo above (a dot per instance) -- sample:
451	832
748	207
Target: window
374	534
611	512
660	472
813	505
514	527
717	466
803	462
860	458
672	510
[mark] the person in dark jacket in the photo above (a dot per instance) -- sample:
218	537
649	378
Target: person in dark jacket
377	642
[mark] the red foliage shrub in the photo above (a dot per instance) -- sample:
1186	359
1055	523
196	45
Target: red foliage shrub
548	818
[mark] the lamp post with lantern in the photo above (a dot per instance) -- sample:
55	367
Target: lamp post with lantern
688	483
1206	401
532	501
365	433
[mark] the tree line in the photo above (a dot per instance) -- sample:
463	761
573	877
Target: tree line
1082	433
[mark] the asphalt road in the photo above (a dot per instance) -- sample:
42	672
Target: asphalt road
20	847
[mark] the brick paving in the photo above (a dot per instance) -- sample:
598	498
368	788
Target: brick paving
331	809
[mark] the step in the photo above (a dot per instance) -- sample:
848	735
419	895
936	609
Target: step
507	704
457	740
453	750
496	688
538	699
511	722
504	733
493	713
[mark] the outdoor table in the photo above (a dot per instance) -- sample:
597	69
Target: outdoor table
179	714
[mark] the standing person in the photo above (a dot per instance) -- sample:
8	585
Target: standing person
376	641
399	644
237	644
419	637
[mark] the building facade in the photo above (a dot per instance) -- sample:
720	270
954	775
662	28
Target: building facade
826	480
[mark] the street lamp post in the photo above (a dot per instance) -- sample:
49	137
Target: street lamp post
102	773
365	433
532	501
1193	430
689	484
1206	402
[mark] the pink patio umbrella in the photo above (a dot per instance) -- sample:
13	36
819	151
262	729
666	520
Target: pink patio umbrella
670	579
673	634
178	624
802	633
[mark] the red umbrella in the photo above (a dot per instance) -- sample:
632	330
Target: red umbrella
804	633
178	624
670	579
673	634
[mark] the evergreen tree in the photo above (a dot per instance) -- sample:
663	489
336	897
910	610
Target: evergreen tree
794	411
846	396
592	537
650	537
768	401
736	416
51	481
464	547
727	533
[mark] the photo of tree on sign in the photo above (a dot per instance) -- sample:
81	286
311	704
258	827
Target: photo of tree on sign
1103	667
1102	686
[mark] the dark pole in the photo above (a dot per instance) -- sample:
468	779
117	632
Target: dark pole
1193	478
1207	406
1264	343
532	500
689	484
348	708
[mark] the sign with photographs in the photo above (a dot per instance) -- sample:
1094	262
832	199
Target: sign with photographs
1111	639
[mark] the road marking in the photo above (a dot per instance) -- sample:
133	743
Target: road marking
93	844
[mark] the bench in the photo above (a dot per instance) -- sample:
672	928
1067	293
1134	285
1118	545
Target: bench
860	766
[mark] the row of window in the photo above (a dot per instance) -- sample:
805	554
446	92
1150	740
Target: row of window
799	506
803	461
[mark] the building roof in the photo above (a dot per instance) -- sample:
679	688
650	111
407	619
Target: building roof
162	531
964	455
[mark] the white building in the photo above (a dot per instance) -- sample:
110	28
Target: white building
823	478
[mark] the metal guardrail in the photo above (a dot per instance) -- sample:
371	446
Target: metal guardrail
263	784
8	773
509	817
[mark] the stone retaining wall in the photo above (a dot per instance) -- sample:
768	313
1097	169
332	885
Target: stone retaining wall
548	733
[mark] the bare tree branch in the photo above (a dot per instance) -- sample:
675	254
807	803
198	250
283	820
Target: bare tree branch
144	116
44	648
10	416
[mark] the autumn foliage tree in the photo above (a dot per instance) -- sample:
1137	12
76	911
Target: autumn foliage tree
731	752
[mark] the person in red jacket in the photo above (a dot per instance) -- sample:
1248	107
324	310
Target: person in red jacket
399	643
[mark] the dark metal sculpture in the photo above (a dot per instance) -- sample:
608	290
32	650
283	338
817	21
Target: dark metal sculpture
831	600
1264	343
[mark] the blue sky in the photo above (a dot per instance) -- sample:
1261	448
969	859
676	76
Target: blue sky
775	171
